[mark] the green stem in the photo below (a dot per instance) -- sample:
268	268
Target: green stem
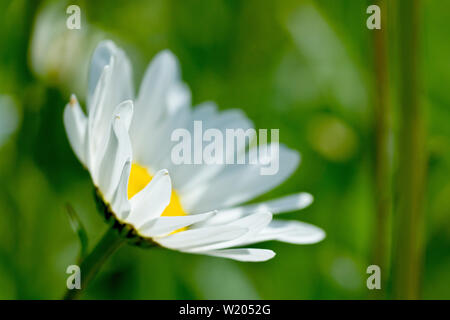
383	170
89	267
412	159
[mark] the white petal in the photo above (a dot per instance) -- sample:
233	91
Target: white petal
253	223
94	135
189	176
156	151
121	86
151	201
151	103
75	123
118	89
125	112
165	225
117	152
160	74
120	204
295	232
245	255
100	58
239	183
284	204
184	118
108	89
191	238
203	111
289	203
179	96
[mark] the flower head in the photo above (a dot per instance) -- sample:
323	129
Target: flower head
124	142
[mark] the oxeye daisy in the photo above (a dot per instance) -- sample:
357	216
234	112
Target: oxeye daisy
125	143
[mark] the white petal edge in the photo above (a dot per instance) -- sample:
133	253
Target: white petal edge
288	203
100	58
223	191
289	231
190	176
253	223
164	225
108	54
157	149
75	123
94	110
151	103
198	237
151	201
116	152
244	255
120	204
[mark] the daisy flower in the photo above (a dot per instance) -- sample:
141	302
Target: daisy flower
125	143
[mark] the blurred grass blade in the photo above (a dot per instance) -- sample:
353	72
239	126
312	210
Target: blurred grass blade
383	155
78	228
409	230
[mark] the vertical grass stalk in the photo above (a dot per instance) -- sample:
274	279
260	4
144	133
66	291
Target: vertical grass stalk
409	222
382	134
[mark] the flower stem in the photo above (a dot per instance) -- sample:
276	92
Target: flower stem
89	267
383	170
409	225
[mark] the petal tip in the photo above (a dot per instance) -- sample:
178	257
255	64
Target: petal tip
73	100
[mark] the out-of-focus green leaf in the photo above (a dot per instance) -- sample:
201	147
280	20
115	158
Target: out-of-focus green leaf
78	228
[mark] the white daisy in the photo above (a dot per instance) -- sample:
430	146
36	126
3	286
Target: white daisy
128	155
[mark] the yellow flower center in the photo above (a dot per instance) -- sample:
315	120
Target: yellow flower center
139	178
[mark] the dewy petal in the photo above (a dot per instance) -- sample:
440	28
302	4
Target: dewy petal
117	151
151	104
198	237
75	123
151	201
165	225
240	183
244	255
295	232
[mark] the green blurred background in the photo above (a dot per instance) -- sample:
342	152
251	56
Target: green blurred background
306	67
